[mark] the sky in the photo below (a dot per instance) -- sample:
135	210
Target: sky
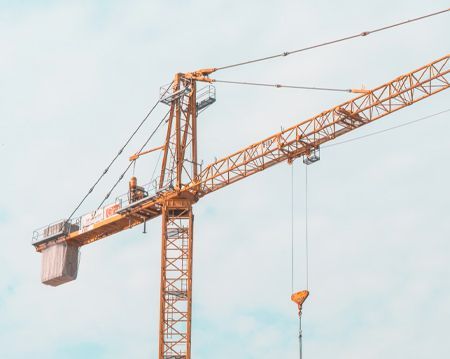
76	79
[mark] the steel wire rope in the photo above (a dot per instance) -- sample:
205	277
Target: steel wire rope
306	206
362	34
386	129
156	166
300	333
132	162
292	228
306	230
283	86
300	337
105	171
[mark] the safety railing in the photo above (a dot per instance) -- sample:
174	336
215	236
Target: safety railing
205	96
86	221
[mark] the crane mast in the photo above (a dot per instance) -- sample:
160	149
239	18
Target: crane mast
181	183
179	168
176	279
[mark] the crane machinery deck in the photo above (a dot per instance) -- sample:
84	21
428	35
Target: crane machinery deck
182	182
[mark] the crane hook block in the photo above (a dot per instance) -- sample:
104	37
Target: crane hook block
299	298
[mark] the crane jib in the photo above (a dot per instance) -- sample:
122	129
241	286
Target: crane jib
288	144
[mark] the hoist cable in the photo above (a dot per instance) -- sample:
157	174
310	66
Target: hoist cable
132	162
283	86
362	34
300	337
115	157
292	228
300	333
306	230
386	129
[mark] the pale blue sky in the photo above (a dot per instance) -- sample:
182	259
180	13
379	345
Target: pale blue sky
77	77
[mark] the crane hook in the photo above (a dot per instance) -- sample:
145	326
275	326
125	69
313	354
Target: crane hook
299	298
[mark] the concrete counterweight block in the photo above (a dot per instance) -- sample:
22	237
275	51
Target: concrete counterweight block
59	264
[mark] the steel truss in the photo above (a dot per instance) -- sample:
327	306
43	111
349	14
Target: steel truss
176	280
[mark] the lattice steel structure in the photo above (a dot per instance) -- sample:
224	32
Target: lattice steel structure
300	139
176	279
179	165
182	184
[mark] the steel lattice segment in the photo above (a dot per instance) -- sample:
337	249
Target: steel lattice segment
179	165
176	280
300	139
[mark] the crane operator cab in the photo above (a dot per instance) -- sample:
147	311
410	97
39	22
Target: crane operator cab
135	192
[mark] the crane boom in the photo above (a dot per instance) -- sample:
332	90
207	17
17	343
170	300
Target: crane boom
308	135
296	141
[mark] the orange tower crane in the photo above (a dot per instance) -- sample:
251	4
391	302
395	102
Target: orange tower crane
183	182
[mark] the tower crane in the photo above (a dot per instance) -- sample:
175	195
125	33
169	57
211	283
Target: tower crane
183	182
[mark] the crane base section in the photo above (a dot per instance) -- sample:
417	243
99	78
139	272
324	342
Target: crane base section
176	279
59	264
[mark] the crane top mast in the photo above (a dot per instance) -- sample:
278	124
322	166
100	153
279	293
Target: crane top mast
180	163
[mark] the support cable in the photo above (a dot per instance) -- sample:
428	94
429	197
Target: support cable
156	166
284	86
386	129
362	34
132	162
115	158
